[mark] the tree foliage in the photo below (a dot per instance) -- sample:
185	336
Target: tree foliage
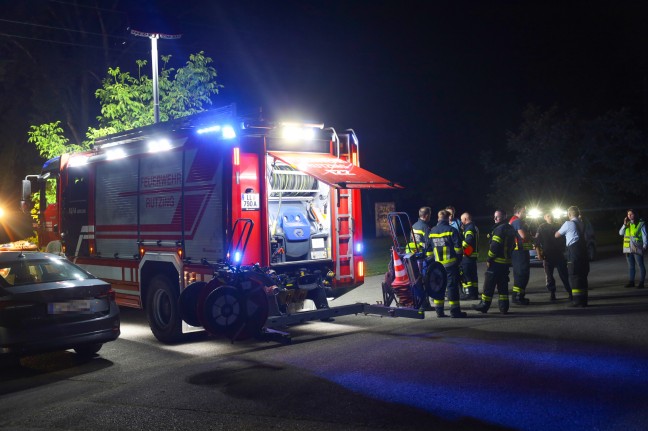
127	102
561	158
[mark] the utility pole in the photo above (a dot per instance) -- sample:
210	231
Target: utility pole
154	65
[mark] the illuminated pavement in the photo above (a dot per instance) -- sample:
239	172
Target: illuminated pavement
542	367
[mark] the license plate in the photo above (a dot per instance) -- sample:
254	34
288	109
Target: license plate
76	306
318	254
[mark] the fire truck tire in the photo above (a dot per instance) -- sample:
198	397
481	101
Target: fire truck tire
189	301
163	310
224	311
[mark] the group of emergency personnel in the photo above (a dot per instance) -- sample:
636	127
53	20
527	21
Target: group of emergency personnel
455	244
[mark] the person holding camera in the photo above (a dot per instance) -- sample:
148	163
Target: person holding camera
635	243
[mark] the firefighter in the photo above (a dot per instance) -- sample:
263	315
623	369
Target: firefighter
420	231
520	257
470	282
500	249
444	243
577	258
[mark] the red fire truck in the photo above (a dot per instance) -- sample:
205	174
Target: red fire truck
154	209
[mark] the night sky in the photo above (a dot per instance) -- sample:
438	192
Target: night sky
426	85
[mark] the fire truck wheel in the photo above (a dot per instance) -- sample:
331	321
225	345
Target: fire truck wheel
224	311
162	310
189	300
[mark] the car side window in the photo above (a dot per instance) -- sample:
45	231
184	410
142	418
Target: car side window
7	276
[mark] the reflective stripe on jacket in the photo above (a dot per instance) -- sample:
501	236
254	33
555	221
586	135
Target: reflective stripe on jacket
444	244
471	239
502	242
633	232
420	231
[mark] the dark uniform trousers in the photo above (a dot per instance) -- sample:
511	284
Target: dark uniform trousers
521	270
578	268
497	275
452	286
559	263
469	270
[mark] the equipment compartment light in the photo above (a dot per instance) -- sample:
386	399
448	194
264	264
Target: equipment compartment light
293	132
159	145
77	161
115	154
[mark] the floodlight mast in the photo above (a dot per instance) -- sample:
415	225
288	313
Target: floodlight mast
154	65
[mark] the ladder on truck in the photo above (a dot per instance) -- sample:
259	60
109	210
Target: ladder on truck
344	260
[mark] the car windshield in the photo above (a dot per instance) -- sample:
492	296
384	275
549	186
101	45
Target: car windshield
34	271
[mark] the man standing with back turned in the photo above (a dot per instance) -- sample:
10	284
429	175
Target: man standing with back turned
445	244
577	258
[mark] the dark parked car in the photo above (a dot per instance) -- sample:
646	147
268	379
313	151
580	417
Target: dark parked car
47	303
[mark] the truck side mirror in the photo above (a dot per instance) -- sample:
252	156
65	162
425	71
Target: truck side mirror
25	202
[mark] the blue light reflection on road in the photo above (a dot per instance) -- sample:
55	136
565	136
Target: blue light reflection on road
524	384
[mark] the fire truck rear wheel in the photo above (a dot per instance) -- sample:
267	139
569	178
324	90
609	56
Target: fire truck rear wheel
162	310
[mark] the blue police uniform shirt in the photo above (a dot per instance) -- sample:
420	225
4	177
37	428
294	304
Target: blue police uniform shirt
569	231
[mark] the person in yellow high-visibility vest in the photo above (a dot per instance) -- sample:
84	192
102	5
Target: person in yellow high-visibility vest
635	243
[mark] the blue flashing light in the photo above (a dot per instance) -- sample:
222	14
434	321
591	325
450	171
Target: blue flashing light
228	132
210	129
359	247
237	257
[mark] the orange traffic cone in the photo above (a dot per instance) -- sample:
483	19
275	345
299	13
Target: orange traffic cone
400	272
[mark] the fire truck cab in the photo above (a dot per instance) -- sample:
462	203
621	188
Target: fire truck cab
152	209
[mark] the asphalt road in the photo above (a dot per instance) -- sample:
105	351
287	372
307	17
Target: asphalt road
541	367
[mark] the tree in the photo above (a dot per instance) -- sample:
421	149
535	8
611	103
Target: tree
558	157
126	102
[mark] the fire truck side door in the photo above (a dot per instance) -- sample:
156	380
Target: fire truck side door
74	213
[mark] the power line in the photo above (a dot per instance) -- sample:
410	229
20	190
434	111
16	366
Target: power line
81	45
31	24
87	7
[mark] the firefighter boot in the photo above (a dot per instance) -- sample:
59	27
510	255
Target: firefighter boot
470	293
483	306
439	311
503	305
457	313
518	298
